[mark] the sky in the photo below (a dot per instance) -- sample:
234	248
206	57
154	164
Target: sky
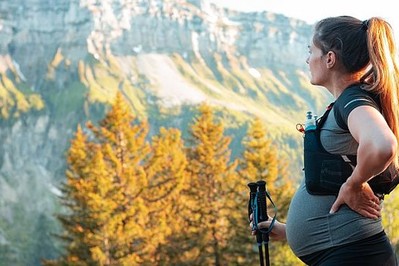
314	10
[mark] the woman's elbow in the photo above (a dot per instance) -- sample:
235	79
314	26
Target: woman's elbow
388	150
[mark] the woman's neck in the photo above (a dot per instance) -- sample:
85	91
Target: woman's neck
339	84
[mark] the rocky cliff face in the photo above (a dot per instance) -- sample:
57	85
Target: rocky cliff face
33	32
61	61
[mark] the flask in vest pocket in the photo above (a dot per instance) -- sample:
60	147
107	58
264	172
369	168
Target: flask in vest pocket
310	122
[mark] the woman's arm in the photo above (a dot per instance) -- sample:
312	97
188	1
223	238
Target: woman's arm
377	148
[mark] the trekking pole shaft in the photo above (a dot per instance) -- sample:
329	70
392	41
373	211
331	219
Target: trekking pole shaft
261	259
262	206
267	254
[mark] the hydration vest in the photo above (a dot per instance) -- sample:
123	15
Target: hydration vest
326	172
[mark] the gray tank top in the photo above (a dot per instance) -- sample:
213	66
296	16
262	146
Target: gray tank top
310	227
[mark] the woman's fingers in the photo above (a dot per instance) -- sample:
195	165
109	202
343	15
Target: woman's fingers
264	224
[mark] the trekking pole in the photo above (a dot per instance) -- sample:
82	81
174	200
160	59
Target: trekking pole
253	209
258	208
262	216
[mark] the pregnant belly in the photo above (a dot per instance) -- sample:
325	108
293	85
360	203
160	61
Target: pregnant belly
311	228
308	222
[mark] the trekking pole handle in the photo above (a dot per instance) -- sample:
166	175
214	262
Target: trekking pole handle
252	196
262	206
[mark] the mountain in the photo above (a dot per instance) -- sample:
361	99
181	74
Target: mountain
62	62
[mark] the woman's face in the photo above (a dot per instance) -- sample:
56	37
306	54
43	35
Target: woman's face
317	66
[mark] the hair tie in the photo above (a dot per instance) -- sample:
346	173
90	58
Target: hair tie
365	25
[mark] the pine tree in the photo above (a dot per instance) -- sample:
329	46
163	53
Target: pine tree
209	199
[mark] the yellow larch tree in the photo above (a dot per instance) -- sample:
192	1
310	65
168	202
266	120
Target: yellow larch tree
125	148
261	161
167	176
209	198
107	214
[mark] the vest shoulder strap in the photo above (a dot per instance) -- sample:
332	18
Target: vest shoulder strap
322	119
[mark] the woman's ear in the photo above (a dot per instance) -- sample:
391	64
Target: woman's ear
330	59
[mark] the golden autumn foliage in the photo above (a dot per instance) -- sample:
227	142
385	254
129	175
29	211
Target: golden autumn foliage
210	194
260	161
104	193
134	200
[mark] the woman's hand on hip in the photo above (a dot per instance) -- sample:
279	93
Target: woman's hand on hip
361	199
